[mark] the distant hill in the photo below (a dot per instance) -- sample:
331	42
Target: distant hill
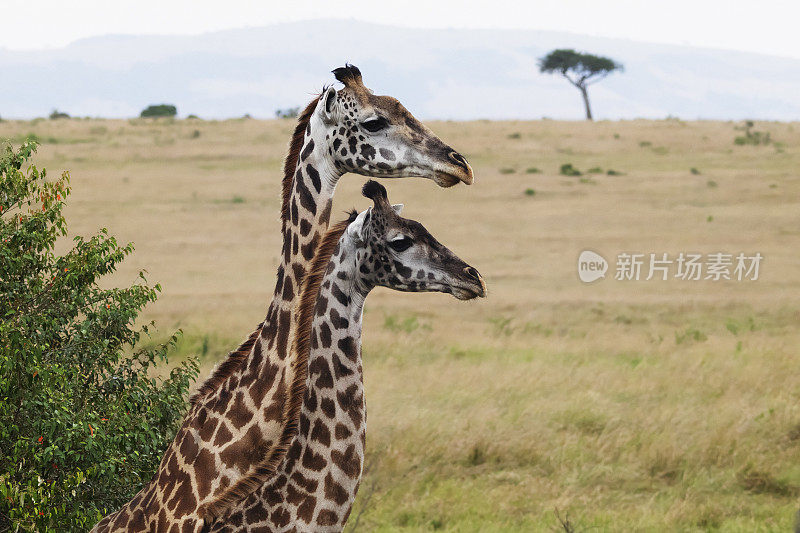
446	74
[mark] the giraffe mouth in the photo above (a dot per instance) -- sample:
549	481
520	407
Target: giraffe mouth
459	292
467	284
468	294
448	179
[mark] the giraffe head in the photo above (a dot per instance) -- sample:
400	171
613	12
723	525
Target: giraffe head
376	136
400	254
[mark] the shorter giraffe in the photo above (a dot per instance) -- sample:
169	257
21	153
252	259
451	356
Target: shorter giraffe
316	485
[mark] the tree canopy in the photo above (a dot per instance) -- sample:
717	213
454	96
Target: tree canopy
160	110
583	66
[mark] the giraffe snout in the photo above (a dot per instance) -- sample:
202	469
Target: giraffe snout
451	168
476	277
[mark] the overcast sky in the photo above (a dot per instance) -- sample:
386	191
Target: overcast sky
767	26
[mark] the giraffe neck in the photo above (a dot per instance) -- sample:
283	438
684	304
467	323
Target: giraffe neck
255	401
309	212
316	485
260	391
333	421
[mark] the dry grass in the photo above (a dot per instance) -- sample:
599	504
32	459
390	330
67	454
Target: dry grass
638	406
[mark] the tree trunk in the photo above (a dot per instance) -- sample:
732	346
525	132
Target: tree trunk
585	94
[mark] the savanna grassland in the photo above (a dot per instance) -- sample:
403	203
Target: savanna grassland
625	405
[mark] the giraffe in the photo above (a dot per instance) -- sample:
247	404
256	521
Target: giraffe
241	421
316	485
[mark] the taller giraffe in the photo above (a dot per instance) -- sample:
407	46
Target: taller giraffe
242	419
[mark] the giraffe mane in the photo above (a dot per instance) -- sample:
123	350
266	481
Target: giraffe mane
226	368
235	358
301	347
290	163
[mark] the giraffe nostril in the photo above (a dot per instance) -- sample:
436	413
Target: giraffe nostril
473	273
458	159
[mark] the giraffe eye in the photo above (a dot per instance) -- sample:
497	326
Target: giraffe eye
375	124
400	244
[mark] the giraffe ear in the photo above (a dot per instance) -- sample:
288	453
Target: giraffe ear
397	208
358	227
329	105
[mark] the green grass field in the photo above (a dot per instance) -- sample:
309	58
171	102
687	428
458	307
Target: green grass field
617	405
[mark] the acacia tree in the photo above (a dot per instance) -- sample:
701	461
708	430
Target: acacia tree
579	69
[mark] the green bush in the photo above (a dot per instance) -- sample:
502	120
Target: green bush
83	419
751	137
568	170
160	110
56	114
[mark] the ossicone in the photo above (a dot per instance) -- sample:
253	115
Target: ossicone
349	75
375	192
